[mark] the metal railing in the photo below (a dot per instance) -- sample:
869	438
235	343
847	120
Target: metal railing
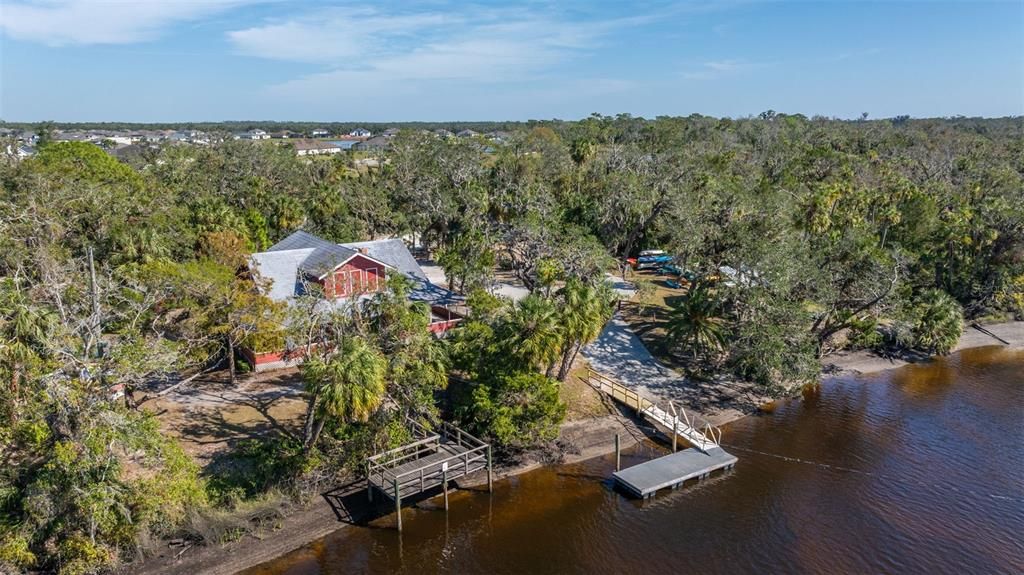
708	433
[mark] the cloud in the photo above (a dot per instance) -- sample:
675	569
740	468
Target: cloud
334	35
79	22
404	54
719	68
420	41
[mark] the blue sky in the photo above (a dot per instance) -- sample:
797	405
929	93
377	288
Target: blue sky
433	60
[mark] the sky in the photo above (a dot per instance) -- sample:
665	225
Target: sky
437	60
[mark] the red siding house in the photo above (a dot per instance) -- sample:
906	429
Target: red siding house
344	272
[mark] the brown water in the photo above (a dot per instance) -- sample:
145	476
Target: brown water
916	470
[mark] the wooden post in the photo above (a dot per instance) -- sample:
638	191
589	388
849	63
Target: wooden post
369	483
421	479
398	503
490	474
444	482
618	463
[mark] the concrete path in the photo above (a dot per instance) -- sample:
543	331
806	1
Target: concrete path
618	353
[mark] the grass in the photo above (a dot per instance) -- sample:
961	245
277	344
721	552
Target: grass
581	400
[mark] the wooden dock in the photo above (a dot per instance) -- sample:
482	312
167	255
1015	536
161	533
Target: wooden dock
672	470
427	463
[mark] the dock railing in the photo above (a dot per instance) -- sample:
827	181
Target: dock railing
694	428
468	455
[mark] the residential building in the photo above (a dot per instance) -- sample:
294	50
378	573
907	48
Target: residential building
375	143
345	274
255	135
320	133
360	133
315	147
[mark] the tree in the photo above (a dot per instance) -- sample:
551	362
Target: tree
347	386
516	410
697	322
531	334
583	310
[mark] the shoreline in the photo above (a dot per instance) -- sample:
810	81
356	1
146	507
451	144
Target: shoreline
867	362
584	439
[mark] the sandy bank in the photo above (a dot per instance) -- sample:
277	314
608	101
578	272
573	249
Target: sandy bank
869	362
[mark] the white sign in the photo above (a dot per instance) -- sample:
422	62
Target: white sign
444	466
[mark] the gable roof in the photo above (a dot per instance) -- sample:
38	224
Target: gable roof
392	252
325	257
281	269
302	253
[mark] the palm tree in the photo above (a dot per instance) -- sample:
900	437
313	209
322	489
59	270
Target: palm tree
696	321
348	386
939	323
533	332
583	312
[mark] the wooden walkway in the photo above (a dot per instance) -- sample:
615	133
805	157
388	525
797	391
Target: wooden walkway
672	470
427	463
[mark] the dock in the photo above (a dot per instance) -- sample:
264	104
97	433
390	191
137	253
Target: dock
672	470
429	462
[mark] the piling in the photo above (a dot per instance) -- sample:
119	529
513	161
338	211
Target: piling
490	474
398	504
618	459
444	482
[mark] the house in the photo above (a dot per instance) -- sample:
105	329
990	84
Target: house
346	274
320	133
255	135
315	147
467	134
390	132
360	133
375	143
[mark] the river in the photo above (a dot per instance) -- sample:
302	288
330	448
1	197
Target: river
914	470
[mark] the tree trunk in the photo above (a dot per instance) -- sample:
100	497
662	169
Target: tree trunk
307	432
231	360
316	433
567	360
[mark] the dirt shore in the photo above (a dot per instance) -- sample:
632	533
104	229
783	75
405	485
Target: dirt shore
1011	333
578	440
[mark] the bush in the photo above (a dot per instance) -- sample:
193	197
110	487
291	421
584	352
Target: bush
514	411
937	322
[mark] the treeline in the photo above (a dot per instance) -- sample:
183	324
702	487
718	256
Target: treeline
868	233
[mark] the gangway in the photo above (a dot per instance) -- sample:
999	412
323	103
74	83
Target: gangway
671	470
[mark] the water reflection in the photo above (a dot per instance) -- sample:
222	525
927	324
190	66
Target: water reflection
913	470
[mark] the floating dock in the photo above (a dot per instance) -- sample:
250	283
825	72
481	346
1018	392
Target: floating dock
672	470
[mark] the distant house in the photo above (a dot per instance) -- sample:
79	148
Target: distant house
390	132
315	147
375	143
345	274
255	135
466	134
320	133
360	133
442	133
